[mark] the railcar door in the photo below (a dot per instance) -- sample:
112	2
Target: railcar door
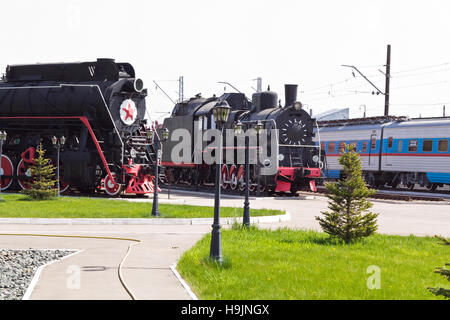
389	151
372	150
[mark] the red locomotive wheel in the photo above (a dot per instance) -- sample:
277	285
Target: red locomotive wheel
24	174
241	178
112	188
234	181
63	186
252	185
262	187
225	177
6	173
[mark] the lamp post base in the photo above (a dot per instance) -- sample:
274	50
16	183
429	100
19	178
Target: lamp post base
155	207
216	247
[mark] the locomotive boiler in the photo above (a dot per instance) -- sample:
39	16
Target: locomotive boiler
298	160
99	108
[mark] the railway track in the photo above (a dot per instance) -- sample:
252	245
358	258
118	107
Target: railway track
385	194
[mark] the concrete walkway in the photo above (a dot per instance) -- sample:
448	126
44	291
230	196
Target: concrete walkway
147	269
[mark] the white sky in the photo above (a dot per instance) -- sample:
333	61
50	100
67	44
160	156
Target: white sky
284	41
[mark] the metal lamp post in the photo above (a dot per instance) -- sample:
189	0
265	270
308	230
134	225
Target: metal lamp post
58	143
220	112
157	140
246	217
3	136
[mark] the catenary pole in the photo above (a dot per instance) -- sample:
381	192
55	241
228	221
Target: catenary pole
388	81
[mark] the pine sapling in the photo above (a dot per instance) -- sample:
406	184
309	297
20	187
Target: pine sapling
348	218
42	178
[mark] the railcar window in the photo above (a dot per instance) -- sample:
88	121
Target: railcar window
364	148
341	147
443	145
400	145
374	143
412	146
390	142
427	146
331	147
353	145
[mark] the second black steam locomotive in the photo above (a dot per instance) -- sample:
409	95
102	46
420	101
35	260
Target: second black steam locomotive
298	160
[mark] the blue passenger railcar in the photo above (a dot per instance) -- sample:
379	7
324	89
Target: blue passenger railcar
394	151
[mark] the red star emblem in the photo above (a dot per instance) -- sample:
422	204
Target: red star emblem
129	111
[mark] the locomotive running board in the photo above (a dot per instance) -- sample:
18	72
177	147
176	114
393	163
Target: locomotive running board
86	123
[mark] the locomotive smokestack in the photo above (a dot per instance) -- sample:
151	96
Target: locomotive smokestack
290	94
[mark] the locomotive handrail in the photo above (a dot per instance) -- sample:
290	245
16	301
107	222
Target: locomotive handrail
269	120
320	148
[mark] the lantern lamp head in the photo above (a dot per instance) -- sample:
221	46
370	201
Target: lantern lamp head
221	112
258	127
238	127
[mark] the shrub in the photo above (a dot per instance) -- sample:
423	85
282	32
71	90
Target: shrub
348	219
42	178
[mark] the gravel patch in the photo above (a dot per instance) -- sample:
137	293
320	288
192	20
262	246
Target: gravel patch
17	268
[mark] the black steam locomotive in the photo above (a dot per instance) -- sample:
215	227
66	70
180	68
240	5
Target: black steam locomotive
98	107
289	136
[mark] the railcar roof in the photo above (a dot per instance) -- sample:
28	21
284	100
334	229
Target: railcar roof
431	122
354	127
409	123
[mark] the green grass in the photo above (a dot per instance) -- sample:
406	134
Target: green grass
292	264
18	206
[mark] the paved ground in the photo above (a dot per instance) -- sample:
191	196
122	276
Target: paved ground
395	217
147	271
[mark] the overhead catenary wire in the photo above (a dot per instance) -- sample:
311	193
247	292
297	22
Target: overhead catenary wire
422	68
398	75
342	93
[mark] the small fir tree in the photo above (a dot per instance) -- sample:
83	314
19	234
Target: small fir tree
443	271
42	178
348	218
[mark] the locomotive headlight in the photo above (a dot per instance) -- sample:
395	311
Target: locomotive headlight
315	158
138	85
298	105
281	157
